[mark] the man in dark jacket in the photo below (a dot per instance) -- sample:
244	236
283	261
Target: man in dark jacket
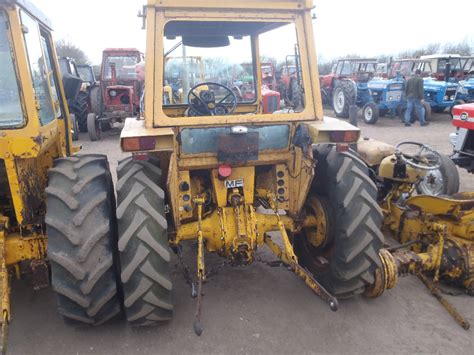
414	93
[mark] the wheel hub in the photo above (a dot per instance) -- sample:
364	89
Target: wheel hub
317	234
432	183
339	102
368	113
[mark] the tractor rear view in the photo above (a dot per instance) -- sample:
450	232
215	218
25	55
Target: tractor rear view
230	171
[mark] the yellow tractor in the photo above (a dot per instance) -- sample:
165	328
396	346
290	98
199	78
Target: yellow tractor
76	235
225	174
219	171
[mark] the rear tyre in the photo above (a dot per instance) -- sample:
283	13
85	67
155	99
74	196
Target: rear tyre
344	95
96	100
370	113
93	127
427	108
442	181
81	228
295	94
346	265
78	107
143	243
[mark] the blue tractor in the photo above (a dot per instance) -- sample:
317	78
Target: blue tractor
385	97
440	90
353	82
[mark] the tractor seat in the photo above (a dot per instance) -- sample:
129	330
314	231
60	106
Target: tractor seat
373	152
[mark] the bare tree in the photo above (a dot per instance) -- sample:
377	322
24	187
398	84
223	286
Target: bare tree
462	48
67	49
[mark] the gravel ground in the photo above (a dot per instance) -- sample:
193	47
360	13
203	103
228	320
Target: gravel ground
258	309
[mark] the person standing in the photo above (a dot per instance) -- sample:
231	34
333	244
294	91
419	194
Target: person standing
414	93
140	73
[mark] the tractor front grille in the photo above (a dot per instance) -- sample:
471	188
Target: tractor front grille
450	94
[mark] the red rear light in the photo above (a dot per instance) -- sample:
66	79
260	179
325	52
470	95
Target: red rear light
344	136
224	171
138	143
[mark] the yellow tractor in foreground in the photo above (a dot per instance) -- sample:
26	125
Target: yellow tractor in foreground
224	173
219	171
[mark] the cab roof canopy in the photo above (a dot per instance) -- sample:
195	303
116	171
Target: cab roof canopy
359	60
31	9
218	28
286	5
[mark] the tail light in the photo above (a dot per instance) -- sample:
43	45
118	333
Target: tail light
138	143
344	136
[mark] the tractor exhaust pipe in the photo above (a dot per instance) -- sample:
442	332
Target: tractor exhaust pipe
447	71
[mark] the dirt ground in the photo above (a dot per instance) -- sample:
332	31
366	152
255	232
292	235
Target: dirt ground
259	309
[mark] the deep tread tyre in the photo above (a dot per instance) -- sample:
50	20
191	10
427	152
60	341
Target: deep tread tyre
295	95
427	108
143	243
344	95
96	100
81	228
352	253
78	107
93	127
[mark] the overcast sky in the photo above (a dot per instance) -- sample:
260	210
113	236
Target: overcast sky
366	27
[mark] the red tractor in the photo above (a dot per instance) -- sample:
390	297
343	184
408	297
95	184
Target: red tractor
463	139
347	83
118	95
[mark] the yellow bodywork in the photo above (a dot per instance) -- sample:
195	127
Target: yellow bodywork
26	154
233	214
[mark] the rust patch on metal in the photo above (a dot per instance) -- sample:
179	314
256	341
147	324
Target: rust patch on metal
33	184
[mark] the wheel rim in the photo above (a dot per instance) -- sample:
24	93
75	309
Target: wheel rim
339	100
433	183
368	113
317	235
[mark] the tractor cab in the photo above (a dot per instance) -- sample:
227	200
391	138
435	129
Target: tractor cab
34	116
360	70
216	75
86	73
407	67
119	93
444	66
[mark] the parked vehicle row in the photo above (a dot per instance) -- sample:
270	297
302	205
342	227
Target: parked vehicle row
378	89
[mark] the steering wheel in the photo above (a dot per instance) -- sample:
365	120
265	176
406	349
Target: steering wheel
426	158
203	102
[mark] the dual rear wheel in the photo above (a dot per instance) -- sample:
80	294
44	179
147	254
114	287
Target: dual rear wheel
99	269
